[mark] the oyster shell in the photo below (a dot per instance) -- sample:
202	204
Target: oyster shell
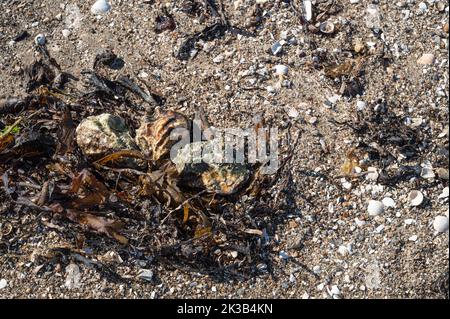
207	171
153	137
105	134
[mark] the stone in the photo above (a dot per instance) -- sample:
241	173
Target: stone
426	59
375	208
440	224
100	7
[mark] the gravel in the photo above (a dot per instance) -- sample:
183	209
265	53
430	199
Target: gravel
405	53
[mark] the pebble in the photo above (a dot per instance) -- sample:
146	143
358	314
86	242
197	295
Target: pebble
276	48
375	208
218	59
3	283
388	202
440	224
316	270
361	105
145	274
100	7
415	198
334	290
332	100
423	7
343	250
281	69
40	39
427	173
426	59
442	173
66	33
413	238
292	112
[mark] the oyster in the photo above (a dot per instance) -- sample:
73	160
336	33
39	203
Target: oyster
153	137
105	134
200	165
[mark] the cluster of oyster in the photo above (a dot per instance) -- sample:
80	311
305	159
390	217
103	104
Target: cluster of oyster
102	135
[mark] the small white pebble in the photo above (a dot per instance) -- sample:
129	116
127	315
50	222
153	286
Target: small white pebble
413	238
281	69
3	283
440	224
375	208
388	202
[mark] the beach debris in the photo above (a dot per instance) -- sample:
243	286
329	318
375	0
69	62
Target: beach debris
415	198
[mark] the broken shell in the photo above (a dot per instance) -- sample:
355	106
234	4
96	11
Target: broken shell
440	224
375	208
415	198
40	39
444	193
154	137
105	134
327	27
308	9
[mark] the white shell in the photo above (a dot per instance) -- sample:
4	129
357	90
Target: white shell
415	198
426	59
440	224
308	9
327	27
375	208
444	193
100	7
281	69
388	202
40	39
